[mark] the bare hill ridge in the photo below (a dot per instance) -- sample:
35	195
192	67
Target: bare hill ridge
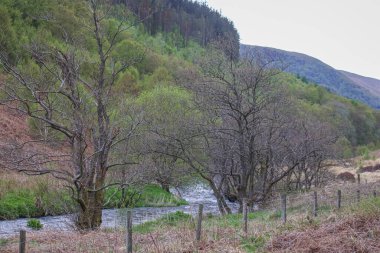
349	85
368	83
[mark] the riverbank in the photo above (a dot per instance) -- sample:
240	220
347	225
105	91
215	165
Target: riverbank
354	228
116	218
26	197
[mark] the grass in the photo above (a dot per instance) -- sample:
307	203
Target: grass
147	196
3	242
175	232
356	229
34	224
26	197
254	243
170	220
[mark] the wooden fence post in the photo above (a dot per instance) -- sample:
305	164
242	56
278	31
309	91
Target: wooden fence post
199	224
339	200
315	206
245	217
358	195
22	245
283	208
129	231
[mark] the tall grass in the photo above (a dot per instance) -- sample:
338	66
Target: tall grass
24	196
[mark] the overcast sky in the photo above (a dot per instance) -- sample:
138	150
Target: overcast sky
342	33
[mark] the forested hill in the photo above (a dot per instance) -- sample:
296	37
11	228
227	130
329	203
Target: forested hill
192	20
316	71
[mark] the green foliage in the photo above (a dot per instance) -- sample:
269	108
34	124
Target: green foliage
34	224
38	201
184	21
356	124
147	196
346	147
363	151
20	204
155	196
44	200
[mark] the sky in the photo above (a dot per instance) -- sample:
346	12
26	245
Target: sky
345	34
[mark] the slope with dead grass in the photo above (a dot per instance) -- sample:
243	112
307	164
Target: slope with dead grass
351	233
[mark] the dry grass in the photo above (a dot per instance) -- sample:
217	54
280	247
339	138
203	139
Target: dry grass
352	166
179	239
355	234
13	181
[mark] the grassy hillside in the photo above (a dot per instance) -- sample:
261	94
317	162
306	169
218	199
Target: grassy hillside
320	73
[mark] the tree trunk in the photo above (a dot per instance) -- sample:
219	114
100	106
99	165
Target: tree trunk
165	186
222	205
90	213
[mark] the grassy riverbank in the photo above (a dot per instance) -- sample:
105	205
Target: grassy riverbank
355	227
22	196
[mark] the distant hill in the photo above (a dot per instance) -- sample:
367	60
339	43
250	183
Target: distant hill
364	89
370	84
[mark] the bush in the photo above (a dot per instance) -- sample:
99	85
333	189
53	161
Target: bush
363	151
34	224
346	176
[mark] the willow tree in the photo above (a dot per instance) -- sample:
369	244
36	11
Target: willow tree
67	83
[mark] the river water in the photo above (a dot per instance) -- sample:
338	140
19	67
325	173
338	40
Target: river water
116	218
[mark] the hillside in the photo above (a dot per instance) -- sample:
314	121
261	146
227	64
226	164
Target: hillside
342	83
370	84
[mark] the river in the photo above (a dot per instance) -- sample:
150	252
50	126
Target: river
116	218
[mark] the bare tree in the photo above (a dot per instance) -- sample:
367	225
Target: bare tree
320	140
72	93
252	138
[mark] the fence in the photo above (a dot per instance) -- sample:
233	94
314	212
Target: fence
285	206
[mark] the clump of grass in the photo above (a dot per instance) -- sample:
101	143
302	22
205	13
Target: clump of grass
367	207
254	243
148	196
172	219
34	224
3	242
155	196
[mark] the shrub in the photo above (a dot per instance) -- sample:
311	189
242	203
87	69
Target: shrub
346	176
369	168
34	224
